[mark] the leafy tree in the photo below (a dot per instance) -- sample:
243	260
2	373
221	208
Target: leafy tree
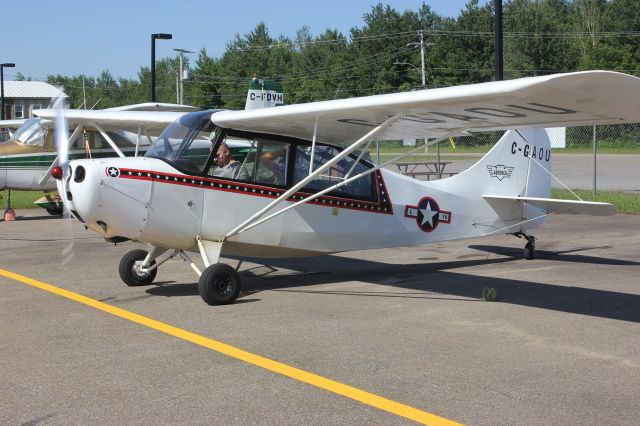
538	44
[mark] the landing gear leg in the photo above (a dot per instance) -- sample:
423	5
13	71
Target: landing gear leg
530	246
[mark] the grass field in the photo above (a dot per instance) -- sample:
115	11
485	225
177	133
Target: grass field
624	202
20	199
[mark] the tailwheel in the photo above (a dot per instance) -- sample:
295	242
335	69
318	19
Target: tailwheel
219	284
131	272
530	248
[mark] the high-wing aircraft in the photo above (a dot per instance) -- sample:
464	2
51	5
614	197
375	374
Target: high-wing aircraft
303	186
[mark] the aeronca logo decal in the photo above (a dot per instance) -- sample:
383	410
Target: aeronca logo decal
500	171
383	205
427	214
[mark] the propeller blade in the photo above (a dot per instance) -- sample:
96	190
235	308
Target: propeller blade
61	137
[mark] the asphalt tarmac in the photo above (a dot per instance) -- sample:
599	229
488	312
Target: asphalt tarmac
560	345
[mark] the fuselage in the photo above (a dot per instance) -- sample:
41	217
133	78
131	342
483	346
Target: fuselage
171	202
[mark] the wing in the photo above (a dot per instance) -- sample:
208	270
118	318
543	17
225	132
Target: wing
12	124
590	97
156	106
153	121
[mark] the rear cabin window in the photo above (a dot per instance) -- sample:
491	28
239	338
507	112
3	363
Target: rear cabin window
342	170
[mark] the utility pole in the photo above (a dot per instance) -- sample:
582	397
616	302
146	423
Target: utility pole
180	82
423	46
424	80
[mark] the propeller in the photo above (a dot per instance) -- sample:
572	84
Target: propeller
61	172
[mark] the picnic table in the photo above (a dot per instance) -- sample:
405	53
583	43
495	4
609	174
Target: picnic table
429	169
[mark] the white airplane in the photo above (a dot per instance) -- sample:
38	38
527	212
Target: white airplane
303	187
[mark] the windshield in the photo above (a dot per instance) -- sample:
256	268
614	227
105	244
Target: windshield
31	132
187	142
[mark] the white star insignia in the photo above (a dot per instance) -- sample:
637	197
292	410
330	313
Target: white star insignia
428	215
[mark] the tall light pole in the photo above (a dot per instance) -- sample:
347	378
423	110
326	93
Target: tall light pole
498	32
2	67
161	36
181	74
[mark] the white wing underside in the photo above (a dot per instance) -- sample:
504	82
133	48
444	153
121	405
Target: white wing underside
153	121
11	124
553	206
590	97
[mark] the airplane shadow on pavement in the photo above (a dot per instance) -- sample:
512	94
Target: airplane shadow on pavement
433	277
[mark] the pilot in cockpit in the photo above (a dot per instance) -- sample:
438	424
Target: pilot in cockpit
225	166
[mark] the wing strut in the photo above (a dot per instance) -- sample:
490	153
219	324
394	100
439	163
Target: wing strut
135	154
351	179
389	121
110	141
313	145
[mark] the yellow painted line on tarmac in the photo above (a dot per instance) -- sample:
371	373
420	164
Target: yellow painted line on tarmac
239	354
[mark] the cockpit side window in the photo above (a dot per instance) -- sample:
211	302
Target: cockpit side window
31	132
256	160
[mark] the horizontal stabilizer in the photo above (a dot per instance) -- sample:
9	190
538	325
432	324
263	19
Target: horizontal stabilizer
554	206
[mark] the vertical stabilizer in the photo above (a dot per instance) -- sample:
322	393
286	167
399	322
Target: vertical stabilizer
518	165
263	94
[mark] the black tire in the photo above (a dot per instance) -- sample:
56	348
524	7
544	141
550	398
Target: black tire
128	273
55	211
219	284
529	250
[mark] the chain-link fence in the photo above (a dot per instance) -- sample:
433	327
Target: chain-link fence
596	158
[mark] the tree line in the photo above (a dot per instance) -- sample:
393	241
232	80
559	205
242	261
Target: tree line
383	55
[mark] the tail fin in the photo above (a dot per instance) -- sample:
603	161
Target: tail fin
263	94
518	165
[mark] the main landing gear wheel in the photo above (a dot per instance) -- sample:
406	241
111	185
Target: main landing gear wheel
219	284
130	272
